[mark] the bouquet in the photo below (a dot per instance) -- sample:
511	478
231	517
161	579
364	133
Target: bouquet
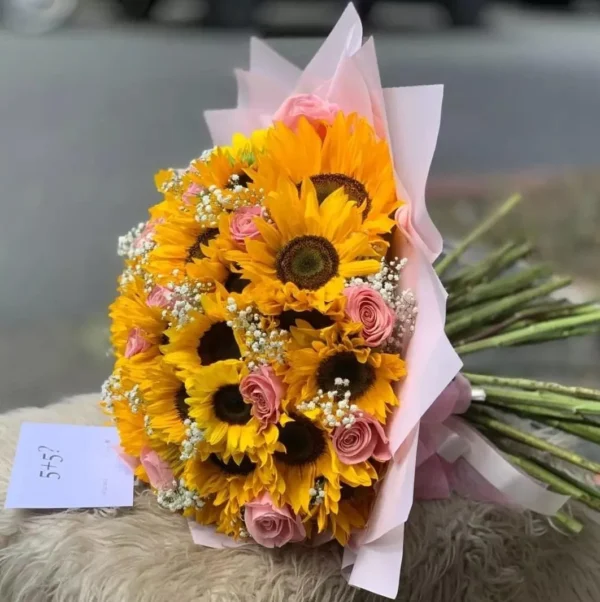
284	369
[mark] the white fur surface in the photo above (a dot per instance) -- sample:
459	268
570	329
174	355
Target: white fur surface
455	551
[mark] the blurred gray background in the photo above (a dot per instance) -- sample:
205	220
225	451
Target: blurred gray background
89	113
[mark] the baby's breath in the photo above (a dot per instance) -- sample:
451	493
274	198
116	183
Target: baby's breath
148	426
193	436
186	298
317	492
207	154
334	406
264	343
174	180
134	398
111	391
178	497
215	201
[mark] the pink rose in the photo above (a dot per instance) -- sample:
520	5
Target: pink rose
367	307
271	526
363	439
264	390
159	472
311	106
242	224
136	342
192	191
160	296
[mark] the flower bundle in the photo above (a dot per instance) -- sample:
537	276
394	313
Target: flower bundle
259	332
285	370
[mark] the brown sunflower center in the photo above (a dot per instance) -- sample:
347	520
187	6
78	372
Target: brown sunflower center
304	442
218	343
245	467
235	283
308	261
229	405
345	365
327	183
239	179
315	318
195	251
181	406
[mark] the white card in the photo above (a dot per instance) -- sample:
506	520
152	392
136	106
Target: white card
68	466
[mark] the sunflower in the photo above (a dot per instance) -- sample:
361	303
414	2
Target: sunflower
349	157
137	329
308	457
181	250
229	483
205	339
332	355
166	403
123	401
131	427
226	167
306	251
226	419
352	513
125	397
208	514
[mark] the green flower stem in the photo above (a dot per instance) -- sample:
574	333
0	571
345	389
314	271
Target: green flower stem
533	385
589	432
566	334
528	333
569	523
561	308
501	306
499	287
546	399
477	233
511	432
555	482
569	478
491	264
531	411
547	309
520	319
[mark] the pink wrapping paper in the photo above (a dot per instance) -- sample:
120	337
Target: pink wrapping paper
345	72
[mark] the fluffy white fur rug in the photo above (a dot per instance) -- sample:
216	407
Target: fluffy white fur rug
456	551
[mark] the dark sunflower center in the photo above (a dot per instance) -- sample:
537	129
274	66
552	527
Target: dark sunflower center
327	183
242	179
345	365
181	406
315	318
304	442
218	343
308	261
235	283
245	467
346	492
195	251
229	405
